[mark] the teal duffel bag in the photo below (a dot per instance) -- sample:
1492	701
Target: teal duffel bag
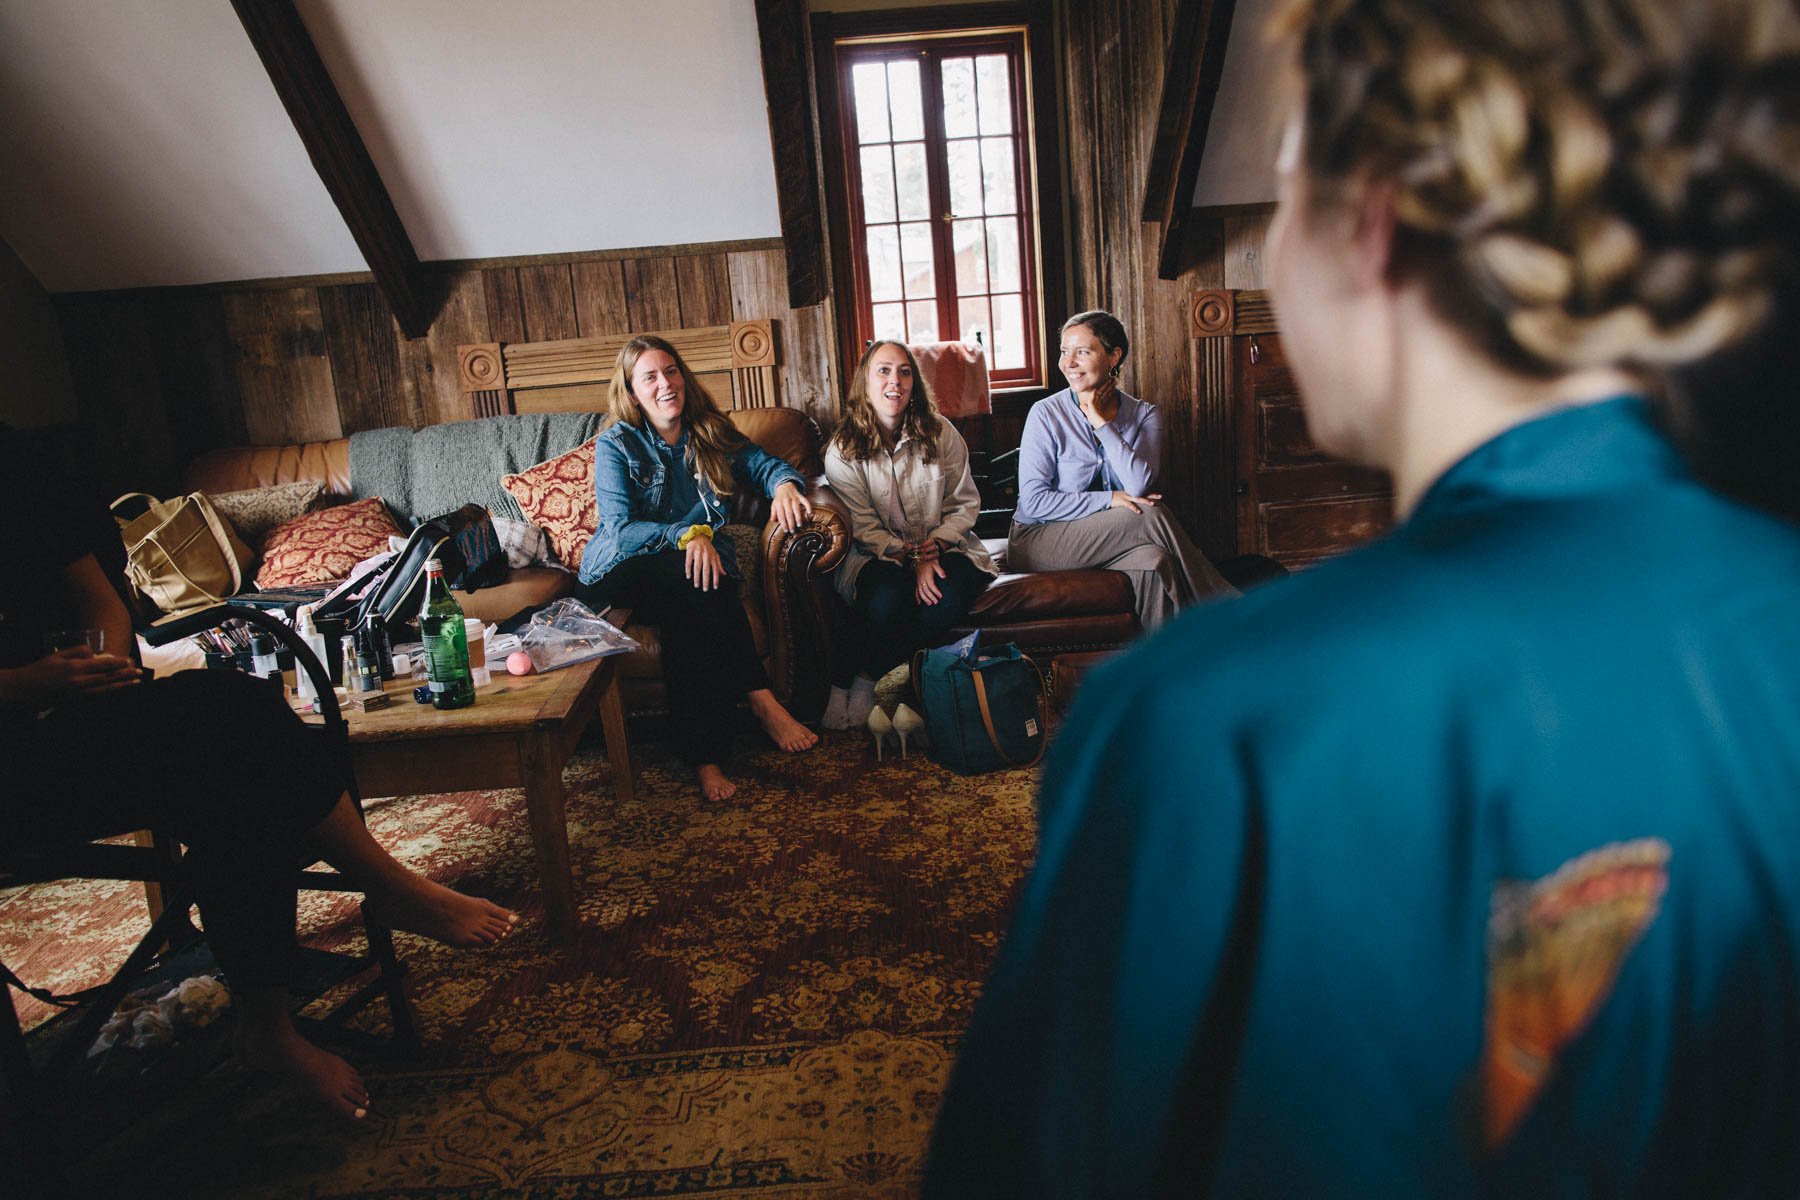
984	710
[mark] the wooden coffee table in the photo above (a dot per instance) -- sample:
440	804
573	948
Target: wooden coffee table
519	733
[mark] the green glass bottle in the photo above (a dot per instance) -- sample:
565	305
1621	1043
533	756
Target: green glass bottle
446	643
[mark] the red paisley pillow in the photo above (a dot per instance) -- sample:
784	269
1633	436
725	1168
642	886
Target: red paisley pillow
559	495
319	547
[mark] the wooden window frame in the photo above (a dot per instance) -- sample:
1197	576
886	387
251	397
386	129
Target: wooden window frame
1037	171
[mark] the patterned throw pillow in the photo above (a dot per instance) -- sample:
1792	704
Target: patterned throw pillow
559	495
322	546
253	512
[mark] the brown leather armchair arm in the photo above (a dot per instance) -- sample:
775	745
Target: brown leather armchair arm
798	600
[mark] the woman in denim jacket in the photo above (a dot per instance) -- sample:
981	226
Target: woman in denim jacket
661	466
914	565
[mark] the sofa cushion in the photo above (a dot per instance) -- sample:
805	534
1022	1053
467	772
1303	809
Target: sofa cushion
255	512
1048	595
559	495
525	587
318	547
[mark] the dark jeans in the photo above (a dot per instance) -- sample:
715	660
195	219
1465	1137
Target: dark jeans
889	624
709	657
214	757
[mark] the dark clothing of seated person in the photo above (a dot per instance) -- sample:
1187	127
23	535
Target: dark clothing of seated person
215	757
662	468
1466	863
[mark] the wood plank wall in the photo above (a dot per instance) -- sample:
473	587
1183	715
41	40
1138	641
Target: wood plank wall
1113	53
166	374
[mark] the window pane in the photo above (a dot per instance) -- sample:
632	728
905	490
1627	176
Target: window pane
890	322
884	262
921	321
972	312
995	95
878	184
915	192
915	254
869	82
971	257
959	97
1003	255
1009	332
964	159
997	175
903	94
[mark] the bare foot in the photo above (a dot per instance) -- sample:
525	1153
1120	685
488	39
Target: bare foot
443	915
779	724
320	1074
713	784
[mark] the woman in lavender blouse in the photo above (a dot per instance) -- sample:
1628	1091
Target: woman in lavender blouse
1088	463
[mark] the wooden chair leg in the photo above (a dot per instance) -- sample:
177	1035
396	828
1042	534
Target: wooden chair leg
393	972
37	1169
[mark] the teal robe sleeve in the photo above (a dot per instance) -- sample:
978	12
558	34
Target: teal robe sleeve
1123	958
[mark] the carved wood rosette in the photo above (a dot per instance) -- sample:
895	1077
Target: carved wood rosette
1227	312
484	379
753	364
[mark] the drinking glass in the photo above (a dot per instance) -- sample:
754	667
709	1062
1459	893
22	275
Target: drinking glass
69	639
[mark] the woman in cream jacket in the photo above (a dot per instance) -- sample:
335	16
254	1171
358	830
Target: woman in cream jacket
915	565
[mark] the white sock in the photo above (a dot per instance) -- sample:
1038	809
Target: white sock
862	699
837	709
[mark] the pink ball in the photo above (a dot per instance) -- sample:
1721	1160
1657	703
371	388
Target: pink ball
518	663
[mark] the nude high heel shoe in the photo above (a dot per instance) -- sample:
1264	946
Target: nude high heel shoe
879	728
908	723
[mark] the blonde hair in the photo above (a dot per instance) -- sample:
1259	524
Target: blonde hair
858	436
1577	182
713	441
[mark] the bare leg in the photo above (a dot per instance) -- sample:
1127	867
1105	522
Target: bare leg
779	724
269	1041
713	784
406	900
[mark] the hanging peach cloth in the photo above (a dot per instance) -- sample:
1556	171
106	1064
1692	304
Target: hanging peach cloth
956	373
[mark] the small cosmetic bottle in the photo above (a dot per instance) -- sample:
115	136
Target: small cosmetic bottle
263	662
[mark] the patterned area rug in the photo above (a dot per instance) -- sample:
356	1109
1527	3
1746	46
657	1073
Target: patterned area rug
763	999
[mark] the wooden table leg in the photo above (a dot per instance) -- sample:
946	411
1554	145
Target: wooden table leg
547	804
618	752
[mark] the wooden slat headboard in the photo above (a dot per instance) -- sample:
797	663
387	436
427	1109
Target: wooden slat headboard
736	362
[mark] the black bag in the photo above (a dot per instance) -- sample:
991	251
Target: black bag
483	562
393	592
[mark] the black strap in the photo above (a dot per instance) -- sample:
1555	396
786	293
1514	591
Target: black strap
45	995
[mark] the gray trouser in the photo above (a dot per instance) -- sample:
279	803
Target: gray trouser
1167	570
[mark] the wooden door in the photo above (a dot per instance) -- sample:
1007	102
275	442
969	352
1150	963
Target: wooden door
1295	503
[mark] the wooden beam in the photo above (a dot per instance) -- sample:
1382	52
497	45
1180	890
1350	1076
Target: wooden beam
339	156
781	29
1190	86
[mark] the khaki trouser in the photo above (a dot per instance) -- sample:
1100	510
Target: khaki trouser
1167	570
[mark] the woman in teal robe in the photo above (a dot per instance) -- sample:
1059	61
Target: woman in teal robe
1468	863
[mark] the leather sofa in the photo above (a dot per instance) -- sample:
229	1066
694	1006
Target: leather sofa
789	609
793	610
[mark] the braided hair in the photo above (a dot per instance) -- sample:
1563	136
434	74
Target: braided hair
1578	183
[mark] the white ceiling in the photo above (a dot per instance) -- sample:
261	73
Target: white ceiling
142	144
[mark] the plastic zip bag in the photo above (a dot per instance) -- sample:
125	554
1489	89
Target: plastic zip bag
566	632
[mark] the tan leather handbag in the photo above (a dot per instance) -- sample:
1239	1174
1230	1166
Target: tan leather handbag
180	554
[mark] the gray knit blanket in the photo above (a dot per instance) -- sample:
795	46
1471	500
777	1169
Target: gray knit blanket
424	473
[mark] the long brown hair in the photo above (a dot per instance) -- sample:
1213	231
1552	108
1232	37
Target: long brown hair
712	439
858	435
